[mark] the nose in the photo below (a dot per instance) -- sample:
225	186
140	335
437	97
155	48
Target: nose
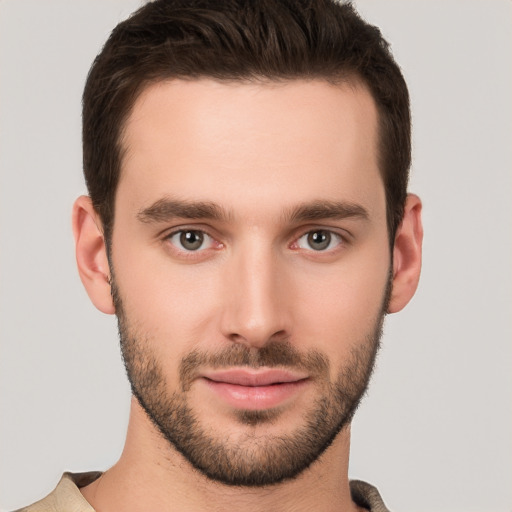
255	309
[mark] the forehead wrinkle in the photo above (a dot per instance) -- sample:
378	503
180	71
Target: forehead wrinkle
167	208
323	209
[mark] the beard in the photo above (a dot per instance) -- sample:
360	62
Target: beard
252	459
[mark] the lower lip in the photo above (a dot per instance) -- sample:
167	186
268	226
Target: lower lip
256	397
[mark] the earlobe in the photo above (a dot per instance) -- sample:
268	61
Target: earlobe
407	255
91	254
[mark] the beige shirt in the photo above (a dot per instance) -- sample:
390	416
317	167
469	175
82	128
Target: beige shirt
66	497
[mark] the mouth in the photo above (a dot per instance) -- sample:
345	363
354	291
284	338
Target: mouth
255	389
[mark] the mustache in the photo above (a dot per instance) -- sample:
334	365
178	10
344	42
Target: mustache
274	354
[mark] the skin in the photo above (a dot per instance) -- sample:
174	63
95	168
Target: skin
258	151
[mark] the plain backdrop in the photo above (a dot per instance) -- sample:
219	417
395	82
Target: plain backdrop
435	431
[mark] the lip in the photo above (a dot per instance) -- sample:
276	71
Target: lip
254	378
255	389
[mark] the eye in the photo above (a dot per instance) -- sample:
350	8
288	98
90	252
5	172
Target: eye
319	240
190	240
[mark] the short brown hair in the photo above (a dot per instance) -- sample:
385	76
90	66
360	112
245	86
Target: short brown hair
241	40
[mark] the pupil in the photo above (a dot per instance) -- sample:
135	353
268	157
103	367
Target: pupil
191	240
319	240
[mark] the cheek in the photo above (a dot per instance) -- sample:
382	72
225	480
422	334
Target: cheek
166	315
339	310
166	306
166	300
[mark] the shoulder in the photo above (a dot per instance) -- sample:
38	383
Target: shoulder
66	497
367	496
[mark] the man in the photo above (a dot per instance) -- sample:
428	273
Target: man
249	224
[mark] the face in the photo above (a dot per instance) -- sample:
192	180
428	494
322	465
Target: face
250	263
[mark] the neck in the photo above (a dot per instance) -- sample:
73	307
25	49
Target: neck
152	476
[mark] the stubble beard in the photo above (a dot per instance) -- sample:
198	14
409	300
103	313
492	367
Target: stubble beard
252	460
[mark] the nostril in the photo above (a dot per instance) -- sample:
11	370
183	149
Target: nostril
237	338
256	340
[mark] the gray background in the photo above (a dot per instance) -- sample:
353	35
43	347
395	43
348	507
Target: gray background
435	432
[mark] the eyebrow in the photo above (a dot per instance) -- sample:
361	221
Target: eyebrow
318	210
165	209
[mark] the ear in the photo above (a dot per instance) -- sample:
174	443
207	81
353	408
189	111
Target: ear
407	255
91	254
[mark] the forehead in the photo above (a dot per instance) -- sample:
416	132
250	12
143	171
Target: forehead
233	142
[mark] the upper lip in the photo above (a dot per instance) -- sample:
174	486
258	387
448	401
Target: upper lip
251	377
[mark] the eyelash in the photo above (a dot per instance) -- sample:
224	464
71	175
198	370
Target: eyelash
203	234
332	237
